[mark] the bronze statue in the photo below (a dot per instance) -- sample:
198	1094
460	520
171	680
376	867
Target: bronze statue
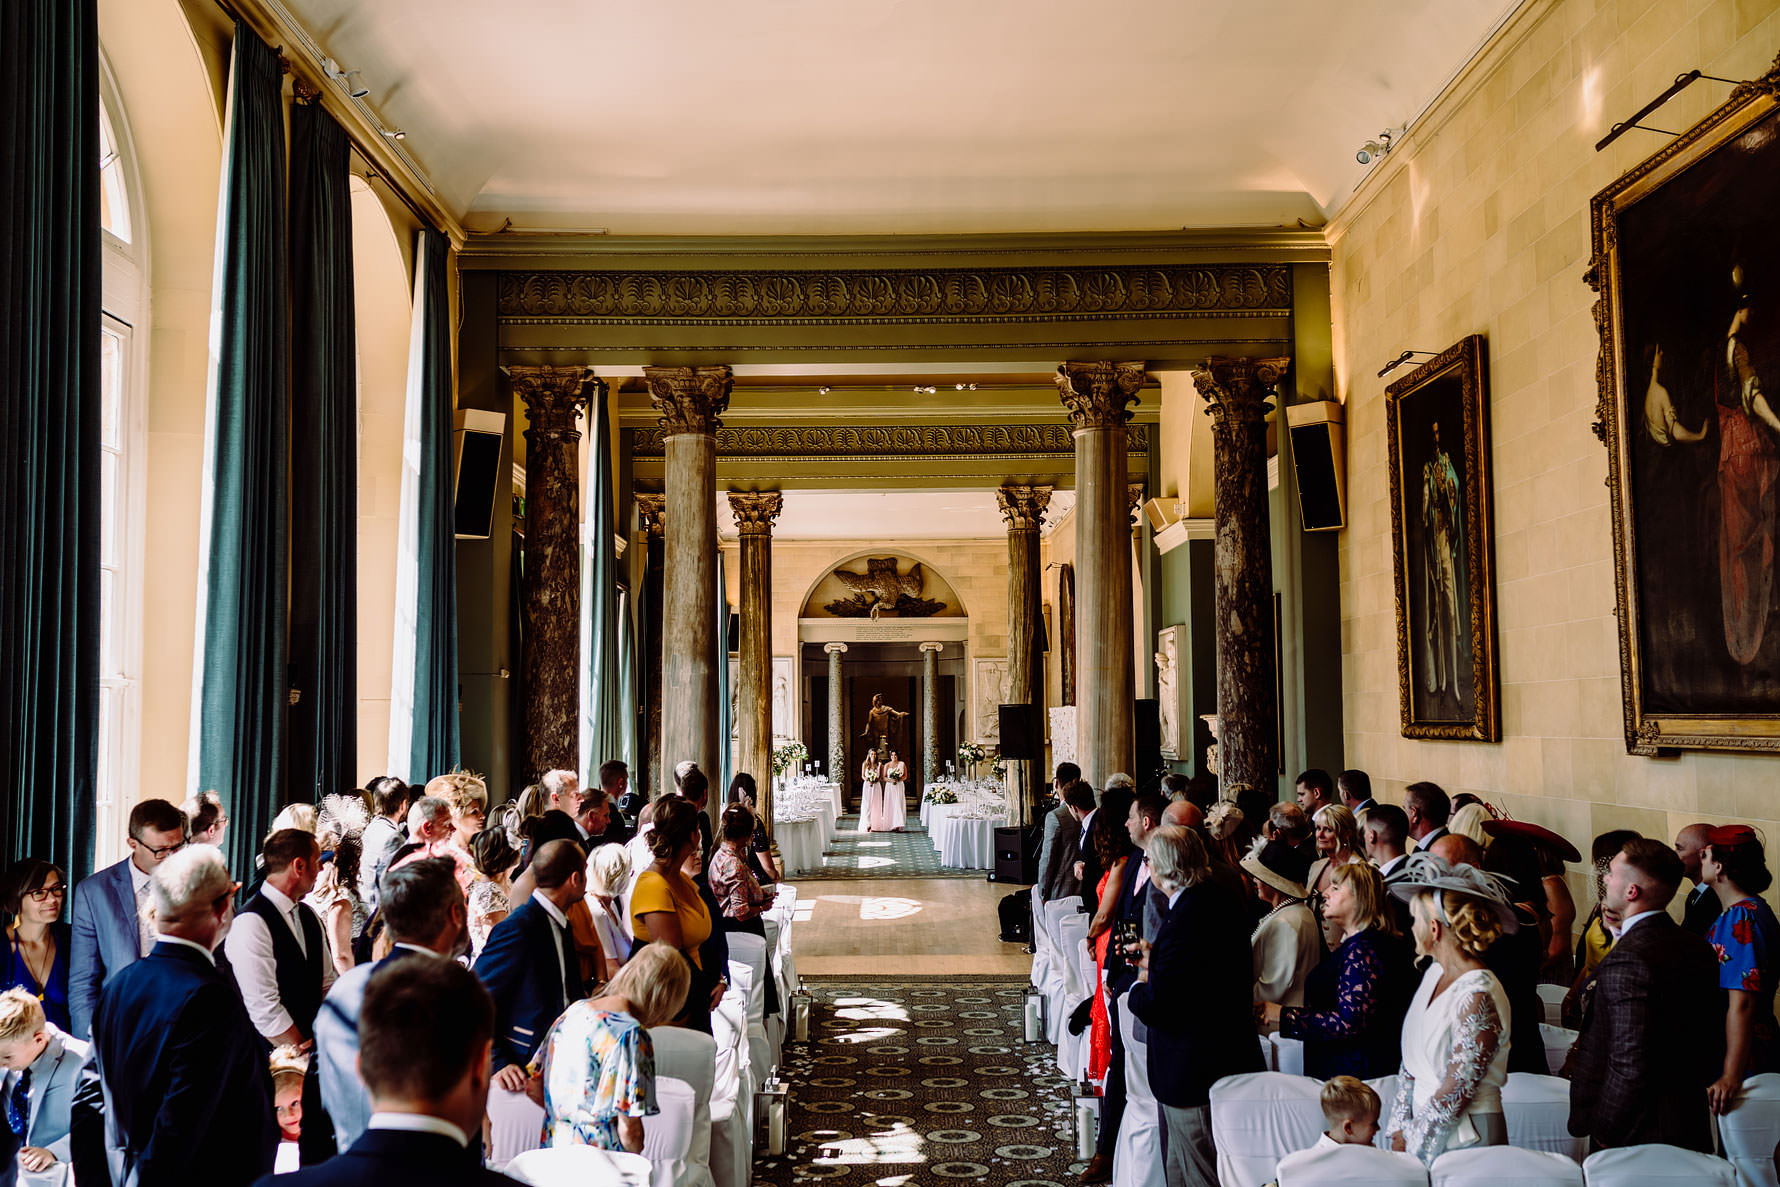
879	719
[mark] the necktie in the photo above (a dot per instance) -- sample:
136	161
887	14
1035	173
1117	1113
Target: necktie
18	1103
145	936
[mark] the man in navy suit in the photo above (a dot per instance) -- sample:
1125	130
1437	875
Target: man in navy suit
1191	984
425	915
39	1066
188	1096
109	931
424	1045
529	963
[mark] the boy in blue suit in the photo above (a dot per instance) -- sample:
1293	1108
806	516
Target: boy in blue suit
38	1069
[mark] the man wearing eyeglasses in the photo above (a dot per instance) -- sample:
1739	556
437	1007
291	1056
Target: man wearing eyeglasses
111	929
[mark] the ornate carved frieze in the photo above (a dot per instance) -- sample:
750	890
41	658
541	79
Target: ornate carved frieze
755	510
690	399
882	589
1099	395
652	509
1133	500
1023	507
1238	389
1016	440
895	295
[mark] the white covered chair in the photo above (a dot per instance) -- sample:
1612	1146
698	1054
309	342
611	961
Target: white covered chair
1537	1112
1551	997
515	1125
1504	1166
579	1166
732	1095
1066	986
1351	1164
667	1136
1386	1087
1750	1131
688	1055
747	965
1047	967
1656	1165
1140	1131
1074	1050
1558	1042
1260	1117
1288	1054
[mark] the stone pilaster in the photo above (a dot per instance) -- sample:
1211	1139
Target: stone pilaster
1023	508
1236	394
1098	396
693	673
650	512
554	398
755	512
837	735
930	712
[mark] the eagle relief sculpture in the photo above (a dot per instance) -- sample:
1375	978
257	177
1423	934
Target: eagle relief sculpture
881	589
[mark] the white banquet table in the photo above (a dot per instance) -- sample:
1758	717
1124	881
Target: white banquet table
966	842
801	843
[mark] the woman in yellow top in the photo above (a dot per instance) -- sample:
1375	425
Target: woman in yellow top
665	905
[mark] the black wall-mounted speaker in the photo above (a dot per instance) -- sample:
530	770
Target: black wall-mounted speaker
1319	463
479	435
1019	738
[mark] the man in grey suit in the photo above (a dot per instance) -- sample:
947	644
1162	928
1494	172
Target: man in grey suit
425	913
39	1066
381	837
110	933
1057	876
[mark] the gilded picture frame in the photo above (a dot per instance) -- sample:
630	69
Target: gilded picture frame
1437	435
1686	259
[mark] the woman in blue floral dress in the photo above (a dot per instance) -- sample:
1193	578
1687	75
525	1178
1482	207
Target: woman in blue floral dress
598	1064
1746	939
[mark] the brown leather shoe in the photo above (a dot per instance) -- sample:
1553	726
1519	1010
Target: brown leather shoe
1098	1170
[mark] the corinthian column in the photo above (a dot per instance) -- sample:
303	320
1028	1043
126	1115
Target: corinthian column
1236	392
650	507
755	512
1023	507
553	398
930	712
1097	396
690	400
837	738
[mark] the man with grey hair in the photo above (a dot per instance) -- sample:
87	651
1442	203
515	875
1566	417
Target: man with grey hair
1193	979
430	834
187	1087
564	789
1120	779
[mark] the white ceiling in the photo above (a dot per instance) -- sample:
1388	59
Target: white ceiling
895	116
893	515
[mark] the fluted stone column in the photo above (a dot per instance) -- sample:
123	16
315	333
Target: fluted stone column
1023	508
1236	392
930	712
651	508
837	736
690	400
553	398
755	512
1097	396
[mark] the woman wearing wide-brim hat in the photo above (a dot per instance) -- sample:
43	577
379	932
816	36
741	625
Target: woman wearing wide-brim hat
1558	966
1287	942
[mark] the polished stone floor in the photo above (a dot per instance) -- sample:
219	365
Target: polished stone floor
901	927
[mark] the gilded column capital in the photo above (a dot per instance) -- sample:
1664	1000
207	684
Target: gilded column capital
1023	507
1098	394
755	510
690	399
835	648
553	396
935	647
1238	389
652	509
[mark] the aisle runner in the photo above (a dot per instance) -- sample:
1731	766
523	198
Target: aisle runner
909	854
919	1081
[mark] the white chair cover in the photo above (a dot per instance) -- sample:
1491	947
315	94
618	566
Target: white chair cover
1551	997
1075	1050
1065	988
1558	1042
732	1099
1257	1119
579	1166
667	1136
1351	1164
1537	1112
1049	924
1656	1165
1386	1087
1750	1131
750	952
1497	1166
1268	1059
1140	1131
1288	1054
515	1125
691	1056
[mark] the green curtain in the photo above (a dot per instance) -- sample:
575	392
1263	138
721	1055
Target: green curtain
604	698
50	291
322	748
434	746
242	698
725	727
630	690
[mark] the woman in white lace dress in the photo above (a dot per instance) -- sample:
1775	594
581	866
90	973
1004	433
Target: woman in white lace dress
491	889
1455	1036
896	807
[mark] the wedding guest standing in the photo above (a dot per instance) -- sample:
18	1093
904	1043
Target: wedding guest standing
110	929
38	942
1746	939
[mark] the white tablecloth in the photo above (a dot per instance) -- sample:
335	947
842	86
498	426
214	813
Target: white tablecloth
801	843
967	842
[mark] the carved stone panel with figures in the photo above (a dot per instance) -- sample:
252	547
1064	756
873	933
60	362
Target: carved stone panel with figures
990	691
1171	691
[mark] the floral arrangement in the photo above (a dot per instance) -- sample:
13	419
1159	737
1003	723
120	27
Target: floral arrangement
790	757
940	795
971	753
999	769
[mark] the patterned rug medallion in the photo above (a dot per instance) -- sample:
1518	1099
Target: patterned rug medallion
920	1081
909	854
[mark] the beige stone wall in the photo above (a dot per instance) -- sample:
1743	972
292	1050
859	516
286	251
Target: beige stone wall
1478	223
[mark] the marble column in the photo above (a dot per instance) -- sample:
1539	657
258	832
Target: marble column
755	512
690	400
1236	394
1023	509
930	712
651	508
1097	396
554	398
837	736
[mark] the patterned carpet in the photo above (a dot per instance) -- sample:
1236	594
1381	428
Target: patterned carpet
920	1081
908	854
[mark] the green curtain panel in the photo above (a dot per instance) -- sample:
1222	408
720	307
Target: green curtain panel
434	749
322	744
50	309
242	700
606	701
629	689
725	708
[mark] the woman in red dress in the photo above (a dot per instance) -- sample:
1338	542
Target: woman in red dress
1112	846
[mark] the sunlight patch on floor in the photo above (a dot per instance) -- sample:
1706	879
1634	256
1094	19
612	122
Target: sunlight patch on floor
900	1144
889	908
